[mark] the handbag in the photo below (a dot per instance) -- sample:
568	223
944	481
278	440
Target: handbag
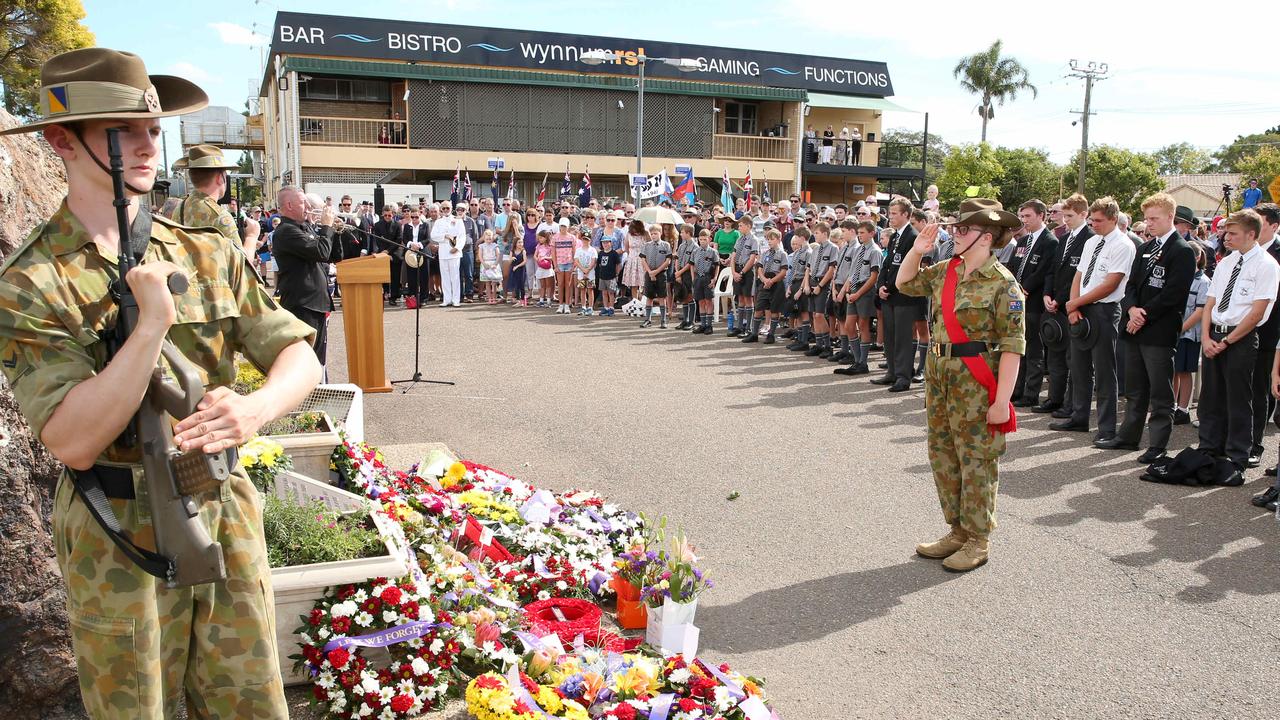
544	263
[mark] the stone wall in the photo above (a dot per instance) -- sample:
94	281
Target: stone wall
35	657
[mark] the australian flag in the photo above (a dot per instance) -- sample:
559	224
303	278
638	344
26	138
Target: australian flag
493	187
566	187
584	193
453	193
466	188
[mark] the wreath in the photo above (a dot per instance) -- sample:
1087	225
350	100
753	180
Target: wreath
379	614
568	618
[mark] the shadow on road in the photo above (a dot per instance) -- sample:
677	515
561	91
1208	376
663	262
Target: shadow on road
815	608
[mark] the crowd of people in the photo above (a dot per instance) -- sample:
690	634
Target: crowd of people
1114	308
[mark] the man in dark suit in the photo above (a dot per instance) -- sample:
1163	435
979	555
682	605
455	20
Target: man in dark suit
1154	301
415	235
388	229
1268	335
303	258
900	311
1057	291
1032	259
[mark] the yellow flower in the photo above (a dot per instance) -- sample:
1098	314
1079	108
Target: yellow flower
636	681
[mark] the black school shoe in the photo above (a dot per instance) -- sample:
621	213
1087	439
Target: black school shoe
1181	417
1046	407
886	380
789	333
900	386
1268	496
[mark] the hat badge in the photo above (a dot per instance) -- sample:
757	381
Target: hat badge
151	99
993	215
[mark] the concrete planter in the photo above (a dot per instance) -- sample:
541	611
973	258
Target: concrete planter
297	589
310	451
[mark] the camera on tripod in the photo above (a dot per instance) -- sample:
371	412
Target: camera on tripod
1227	188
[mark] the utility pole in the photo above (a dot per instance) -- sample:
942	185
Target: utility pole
1092	71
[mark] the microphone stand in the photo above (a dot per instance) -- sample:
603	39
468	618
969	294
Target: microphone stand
417	322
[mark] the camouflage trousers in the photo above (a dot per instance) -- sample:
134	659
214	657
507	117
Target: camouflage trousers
139	646
963	453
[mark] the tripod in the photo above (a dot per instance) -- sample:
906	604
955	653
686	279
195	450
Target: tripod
417	323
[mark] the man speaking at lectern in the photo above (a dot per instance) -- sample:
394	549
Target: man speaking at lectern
303	256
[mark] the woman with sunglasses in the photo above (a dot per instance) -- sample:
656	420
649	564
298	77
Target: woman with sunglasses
979	333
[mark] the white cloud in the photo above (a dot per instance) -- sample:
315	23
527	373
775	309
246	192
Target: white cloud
233	34
193	73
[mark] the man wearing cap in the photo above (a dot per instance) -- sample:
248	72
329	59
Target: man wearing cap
1094	314
139	646
1251	195
207	170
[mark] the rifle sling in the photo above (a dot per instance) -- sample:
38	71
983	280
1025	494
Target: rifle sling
89	487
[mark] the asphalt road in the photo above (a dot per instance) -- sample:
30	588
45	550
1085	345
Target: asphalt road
1106	597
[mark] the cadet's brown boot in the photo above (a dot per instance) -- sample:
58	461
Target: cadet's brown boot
970	557
944	546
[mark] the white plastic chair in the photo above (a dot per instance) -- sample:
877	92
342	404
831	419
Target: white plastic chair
724	290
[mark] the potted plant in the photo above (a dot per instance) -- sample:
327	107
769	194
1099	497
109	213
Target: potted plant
264	460
308	438
672	599
319	536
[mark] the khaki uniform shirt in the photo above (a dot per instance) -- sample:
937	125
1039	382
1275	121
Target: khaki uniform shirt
56	312
989	305
200	210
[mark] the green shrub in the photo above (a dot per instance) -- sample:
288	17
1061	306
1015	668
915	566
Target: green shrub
313	533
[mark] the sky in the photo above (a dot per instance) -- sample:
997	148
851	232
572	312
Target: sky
1164	84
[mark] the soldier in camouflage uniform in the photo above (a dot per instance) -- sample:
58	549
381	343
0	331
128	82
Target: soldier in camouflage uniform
207	170
966	424
141	646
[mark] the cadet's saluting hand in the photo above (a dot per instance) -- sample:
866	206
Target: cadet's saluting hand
926	239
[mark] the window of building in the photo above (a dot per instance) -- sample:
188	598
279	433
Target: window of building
740	118
319	88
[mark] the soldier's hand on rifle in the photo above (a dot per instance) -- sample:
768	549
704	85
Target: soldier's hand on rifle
150	286
224	419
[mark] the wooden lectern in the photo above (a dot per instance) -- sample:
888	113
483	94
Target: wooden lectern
361	281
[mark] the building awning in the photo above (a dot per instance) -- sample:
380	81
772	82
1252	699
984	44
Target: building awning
851	102
328	66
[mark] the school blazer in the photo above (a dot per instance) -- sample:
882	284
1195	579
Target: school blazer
1039	263
1161	290
1065	260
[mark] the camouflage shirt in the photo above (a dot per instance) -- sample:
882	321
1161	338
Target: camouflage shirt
200	210
56	311
989	304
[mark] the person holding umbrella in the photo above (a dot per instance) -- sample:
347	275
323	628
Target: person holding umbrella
972	366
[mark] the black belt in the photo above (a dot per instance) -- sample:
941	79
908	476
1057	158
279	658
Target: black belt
117	482
1221	329
972	348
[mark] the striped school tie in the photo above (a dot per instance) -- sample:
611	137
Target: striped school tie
1093	261
1231	285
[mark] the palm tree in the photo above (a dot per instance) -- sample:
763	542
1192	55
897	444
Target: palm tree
994	78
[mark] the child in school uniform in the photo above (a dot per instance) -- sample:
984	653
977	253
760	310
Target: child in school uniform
771	292
706	268
746	251
607	263
861	297
672	236
490	257
795	290
655	257
516	278
835	307
683	288
584	265
821	268
841	284
543	257
1186	360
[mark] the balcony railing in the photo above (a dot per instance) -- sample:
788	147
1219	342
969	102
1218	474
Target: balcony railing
867	154
727	146
317	130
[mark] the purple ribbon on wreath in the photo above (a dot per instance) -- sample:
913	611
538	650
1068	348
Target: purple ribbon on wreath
518	689
608	528
661	706
383	638
734	688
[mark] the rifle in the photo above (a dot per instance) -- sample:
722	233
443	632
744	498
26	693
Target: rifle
185	554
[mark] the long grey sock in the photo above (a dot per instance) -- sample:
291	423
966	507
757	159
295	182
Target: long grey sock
773	326
662	313
844	345
921	350
854	349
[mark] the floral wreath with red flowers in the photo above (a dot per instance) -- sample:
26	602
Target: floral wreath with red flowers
422	646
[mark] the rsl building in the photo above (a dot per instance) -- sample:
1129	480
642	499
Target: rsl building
350	103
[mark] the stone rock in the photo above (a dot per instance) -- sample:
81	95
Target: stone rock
35	658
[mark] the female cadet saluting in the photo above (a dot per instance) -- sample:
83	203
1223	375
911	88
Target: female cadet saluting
972	367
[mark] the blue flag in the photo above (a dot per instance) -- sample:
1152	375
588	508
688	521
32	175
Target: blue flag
584	193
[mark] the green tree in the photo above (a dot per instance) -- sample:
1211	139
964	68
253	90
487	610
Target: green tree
969	166
994	79
1028	173
32	31
1228	157
1125	175
1263	164
902	149
1182	159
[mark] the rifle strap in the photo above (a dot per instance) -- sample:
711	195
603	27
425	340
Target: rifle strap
89	488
